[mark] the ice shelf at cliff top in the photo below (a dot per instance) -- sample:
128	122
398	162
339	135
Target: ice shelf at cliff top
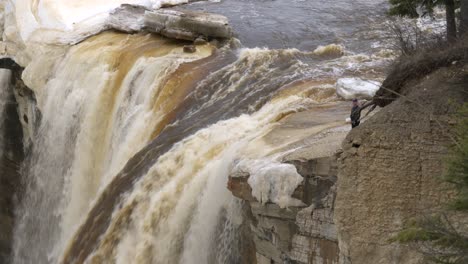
69	22
349	88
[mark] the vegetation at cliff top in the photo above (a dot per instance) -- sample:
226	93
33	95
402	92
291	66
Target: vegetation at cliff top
436	236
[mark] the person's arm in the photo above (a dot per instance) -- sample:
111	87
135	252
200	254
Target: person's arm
367	105
371	103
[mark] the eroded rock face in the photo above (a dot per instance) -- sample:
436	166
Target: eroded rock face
295	234
391	168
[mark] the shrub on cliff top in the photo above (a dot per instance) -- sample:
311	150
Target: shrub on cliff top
418	65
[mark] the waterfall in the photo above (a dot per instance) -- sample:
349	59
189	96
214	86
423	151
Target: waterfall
137	139
102	105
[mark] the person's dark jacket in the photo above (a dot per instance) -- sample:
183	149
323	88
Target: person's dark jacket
355	114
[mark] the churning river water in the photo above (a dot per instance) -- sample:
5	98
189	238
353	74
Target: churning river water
304	24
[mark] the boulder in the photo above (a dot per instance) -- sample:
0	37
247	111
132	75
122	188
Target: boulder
349	88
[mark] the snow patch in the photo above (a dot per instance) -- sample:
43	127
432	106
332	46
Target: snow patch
349	88
272	181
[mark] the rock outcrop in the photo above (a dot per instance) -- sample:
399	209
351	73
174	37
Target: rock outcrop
295	234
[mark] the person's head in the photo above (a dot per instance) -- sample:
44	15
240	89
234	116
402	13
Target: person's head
355	102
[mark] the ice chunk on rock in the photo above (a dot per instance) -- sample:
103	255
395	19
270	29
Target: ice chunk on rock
272	181
349	88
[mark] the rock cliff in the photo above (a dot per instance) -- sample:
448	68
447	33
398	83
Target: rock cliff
391	168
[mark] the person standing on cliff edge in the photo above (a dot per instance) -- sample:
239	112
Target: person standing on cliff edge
356	112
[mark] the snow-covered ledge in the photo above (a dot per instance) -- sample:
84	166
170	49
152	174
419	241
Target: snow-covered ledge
69	22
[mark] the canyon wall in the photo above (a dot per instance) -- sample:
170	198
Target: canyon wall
392	166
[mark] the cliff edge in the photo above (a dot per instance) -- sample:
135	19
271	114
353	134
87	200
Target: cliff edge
391	167
388	171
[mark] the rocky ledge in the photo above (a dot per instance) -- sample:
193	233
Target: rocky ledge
171	23
296	234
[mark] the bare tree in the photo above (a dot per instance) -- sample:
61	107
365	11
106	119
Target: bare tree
463	17
451	25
